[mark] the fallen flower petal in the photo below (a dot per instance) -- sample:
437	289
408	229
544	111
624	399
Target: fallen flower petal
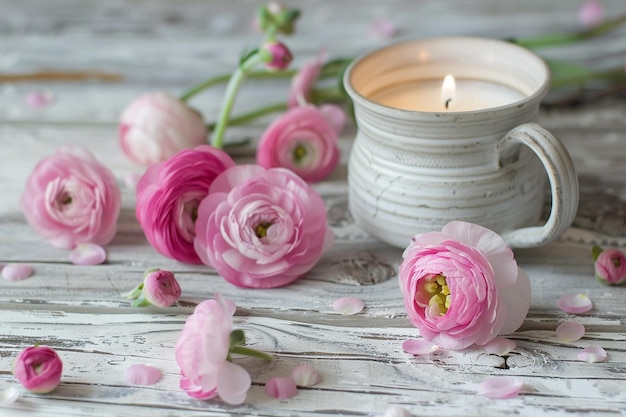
382	29
9	396
16	272
592	354
88	254
500	346
419	347
591	13
500	387
233	382
281	388
397	411
574	303
305	375
570	331
39	99
348	306
142	375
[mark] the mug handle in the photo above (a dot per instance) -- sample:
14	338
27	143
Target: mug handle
563	184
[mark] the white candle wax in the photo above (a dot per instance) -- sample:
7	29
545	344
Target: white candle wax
426	96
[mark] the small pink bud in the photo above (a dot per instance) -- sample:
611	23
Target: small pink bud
276	55
161	289
610	267
38	369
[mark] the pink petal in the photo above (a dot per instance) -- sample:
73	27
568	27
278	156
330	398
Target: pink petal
397	411
517	301
142	375
419	347
591	13
233	382
9	396
334	115
281	388
500	346
16	272
592	354
382	29
570	331
500	387
574	303
348	306
39	99
305	375
88	254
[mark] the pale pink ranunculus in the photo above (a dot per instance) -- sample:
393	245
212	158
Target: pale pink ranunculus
301	140
610	267
71	198
168	196
160	288
303	82
202	351
261	228
38	369
155	126
462	286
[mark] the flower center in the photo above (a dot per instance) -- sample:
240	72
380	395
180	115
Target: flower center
617	262
261	229
436	290
299	153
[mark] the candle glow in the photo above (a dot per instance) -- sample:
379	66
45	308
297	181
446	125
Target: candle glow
448	90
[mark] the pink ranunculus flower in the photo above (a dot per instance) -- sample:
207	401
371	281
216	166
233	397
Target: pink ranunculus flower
157	125
202	351
302	83
168	196
610	267
71	198
462	286
302	140
38	369
261	228
276	55
160	288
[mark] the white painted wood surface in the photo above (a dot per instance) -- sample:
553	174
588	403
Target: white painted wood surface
165	45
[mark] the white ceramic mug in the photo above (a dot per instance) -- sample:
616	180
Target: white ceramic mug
482	160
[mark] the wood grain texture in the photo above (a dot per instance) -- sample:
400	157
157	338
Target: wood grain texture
148	45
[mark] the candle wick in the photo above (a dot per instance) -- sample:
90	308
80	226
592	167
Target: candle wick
447	104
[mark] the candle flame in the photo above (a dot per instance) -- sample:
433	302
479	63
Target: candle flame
448	90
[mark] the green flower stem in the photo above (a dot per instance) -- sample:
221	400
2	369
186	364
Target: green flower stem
242	350
246	117
609	75
328	94
229	97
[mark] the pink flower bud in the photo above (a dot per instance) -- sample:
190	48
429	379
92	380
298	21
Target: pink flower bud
276	55
38	369
161	289
611	266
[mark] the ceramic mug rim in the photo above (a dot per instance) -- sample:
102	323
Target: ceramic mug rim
416	115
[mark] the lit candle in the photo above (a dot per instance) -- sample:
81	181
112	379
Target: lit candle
453	95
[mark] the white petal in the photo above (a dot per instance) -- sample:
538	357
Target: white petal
305	375
500	346
500	387
516	301
348	306
9	396
142	375
570	331
419	347
281	388
16	272
88	254
574	303
397	411
592	354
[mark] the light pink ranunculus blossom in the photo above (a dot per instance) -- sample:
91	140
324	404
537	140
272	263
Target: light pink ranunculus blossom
157	125
261	228
610	267
160	288
201	353
38	369
71	198
168	196
462	286
277	55
303	82
301	140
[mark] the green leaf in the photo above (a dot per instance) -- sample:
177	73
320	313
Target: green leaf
595	252
134	293
237	338
246	351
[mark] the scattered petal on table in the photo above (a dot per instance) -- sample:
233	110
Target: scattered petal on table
382	29
591	13
500	387
570	331
500	346
39	99
9	396
592	354
281	388
397	411
16	272
143	374
88	254
305	375
574	303
348	306
419	347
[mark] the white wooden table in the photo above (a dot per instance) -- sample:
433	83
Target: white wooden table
130	47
